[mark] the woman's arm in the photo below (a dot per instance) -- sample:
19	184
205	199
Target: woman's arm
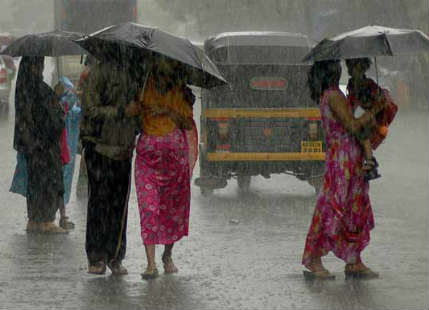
339	106
181	110
94	109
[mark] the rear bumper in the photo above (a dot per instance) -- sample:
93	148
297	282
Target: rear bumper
225	165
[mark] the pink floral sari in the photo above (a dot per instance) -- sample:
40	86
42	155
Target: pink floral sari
163	170
343	216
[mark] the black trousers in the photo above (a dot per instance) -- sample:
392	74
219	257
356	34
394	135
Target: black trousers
108	192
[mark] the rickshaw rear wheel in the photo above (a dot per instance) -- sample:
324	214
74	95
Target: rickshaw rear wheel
206	192
243	182
316	183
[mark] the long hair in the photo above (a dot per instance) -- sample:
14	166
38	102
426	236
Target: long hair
27	88
322	75
365	62
27	81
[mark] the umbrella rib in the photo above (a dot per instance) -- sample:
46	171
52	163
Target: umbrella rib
386	40
198	58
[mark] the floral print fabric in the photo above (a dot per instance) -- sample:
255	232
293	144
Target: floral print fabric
162	177
343	216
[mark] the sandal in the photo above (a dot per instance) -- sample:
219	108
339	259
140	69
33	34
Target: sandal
323	274
97	268
169	266
66	224
117	268
365	273
150	274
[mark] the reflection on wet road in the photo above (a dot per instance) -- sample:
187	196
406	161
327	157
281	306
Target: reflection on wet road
243	252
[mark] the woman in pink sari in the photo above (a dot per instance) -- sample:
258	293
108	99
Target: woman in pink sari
343	216
166	154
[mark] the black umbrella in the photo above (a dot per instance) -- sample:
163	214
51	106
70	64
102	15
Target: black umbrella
54	43
370	41
116	43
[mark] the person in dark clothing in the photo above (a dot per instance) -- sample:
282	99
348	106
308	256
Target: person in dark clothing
39	123
108	140
82	181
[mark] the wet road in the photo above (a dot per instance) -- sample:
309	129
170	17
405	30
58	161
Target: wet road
251	262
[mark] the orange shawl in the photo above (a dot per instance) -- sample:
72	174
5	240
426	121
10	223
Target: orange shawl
160	125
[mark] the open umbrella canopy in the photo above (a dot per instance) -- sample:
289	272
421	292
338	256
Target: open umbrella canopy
370	41
53	44
117	43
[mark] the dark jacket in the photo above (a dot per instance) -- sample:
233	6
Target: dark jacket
107	92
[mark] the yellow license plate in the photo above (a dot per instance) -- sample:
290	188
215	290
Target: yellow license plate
311	147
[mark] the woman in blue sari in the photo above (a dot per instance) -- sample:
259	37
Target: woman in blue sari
70	102
71	105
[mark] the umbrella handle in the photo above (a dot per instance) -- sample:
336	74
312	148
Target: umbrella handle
376	75
145	81
58	68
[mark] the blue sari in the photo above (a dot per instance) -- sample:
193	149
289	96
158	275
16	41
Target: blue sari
73	116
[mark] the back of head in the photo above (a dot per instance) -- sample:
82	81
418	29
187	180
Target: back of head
364	62
322	75
28	67
30	73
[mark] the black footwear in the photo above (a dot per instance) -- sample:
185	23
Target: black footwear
372	174
371	169
375	162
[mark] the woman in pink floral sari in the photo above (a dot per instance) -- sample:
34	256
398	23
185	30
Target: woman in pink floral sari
166	154
343	216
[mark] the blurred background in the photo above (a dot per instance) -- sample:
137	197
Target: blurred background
198	20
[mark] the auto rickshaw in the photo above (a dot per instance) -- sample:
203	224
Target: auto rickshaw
264	121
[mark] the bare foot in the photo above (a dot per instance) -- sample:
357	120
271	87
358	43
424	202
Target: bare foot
65	223
316	266
356	267
359	270
117	268
32	226
317	270
169	266
97	268
51	228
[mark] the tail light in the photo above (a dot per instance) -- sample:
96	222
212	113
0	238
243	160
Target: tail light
268	83
223	130
3	76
